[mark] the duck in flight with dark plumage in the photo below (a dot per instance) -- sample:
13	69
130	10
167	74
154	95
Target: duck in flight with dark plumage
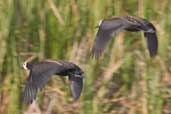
107	28
41	72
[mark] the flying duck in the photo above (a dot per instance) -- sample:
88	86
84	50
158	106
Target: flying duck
39	74
107	28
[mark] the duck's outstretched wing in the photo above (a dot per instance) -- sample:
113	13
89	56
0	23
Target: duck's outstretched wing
107	29
38	77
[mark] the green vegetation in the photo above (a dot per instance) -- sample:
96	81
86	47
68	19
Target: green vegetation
124	81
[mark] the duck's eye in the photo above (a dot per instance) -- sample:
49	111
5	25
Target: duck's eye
24	64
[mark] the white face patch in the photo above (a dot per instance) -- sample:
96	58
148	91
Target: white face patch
100	22
25	66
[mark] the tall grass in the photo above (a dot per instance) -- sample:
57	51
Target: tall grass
124	81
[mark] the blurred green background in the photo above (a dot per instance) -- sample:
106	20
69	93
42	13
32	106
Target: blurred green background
124	81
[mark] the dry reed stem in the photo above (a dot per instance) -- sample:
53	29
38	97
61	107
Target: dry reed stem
50	107
115	63
83	49
115	58
80	51
143	84
55	11
75	10
73	54
140	8
33	109
31	58
41	31
57	90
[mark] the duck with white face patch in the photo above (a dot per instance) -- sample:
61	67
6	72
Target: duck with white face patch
107	28
42	71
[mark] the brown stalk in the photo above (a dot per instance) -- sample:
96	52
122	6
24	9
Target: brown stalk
33	109
56	11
